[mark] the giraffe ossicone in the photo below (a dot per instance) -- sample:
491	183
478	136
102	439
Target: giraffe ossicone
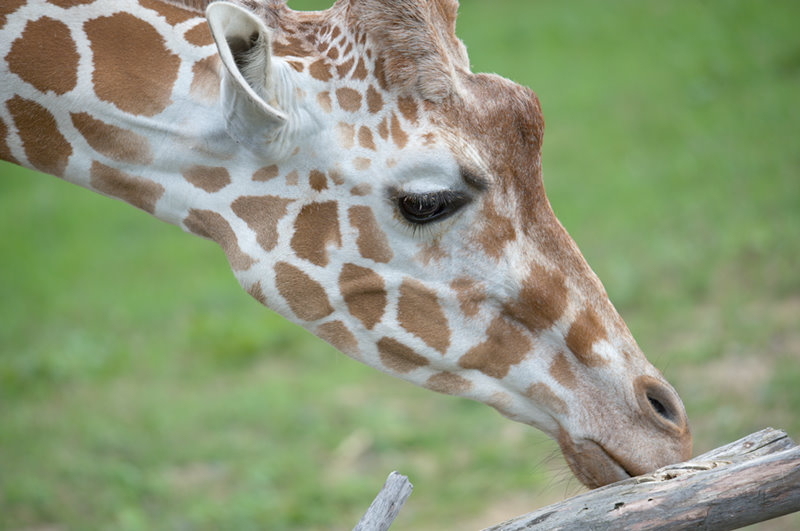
362	182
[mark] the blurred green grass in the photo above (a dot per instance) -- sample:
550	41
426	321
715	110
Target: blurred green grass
140	388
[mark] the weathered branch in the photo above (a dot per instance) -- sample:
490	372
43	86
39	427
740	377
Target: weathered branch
751	480
384	508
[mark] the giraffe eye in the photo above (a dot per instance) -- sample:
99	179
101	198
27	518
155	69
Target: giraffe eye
432	206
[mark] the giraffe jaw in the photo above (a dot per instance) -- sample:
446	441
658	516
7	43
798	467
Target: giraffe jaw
591	463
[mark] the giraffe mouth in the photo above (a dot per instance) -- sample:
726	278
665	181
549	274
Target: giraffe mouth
591	462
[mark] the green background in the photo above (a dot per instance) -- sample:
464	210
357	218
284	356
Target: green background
140	388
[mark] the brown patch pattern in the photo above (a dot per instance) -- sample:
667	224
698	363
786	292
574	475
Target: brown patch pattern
505	346
305	296
205	79
398	357
345	133
545	397
317	180
5	151
320	70
262	214
364	293
418	312
399	136
209	178
212	225
114	142
349	99
337	335
361	70
257	293
365	138
173	13
7	7
142	86
199	35
448	383
470	295
324	101
266	173
374	100
371	241
584	332
45	147
45	56
541	301
496	232
561	370
316	227
408	108
139	192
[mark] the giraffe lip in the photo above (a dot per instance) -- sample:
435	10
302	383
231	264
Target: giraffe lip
593	464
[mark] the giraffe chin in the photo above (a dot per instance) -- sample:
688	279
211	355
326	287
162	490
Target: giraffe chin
592	464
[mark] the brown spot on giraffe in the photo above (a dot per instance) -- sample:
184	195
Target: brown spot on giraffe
399	136
448	383
372	242
205	79
139	192
320	70
374	100
199	35
212	225
542	299
140	87
291	178
305	296
333	53
316	227
361	70
470	295
431	252
324	101
69	3
114	142
7	7
380	74
419	312
5	151
262	214
408	108
343	68
496	231
293	47
361	163
361	190
172	13
346	134
364	293
349	99
45	147
383	129
337	335
561	370
266	173
584	332
45	56
365	138
336	176
505	346
209	178
317	180
541	394
297	65
398	357
255	291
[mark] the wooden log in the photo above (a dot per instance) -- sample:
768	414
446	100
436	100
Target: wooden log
384	508
751	480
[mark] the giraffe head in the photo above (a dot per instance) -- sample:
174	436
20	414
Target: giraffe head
396	209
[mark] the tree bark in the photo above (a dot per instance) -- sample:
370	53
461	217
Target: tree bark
751	480
384	508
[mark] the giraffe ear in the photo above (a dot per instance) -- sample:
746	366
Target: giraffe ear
248	92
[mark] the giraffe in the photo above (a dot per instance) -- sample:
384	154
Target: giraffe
361	181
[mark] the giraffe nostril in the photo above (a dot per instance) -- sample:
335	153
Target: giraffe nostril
660	403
